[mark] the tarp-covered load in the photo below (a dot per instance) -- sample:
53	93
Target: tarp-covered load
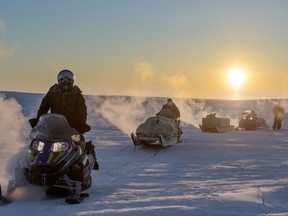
157	130
156	126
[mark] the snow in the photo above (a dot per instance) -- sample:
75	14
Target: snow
232	173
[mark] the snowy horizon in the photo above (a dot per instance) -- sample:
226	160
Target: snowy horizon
232	173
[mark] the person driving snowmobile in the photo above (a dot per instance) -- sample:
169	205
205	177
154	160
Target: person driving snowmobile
66	99
169	110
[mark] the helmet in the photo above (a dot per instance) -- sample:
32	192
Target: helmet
65	73
65	79
169	102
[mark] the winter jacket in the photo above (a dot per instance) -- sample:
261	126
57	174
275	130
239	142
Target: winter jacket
71	104
169	111
278	109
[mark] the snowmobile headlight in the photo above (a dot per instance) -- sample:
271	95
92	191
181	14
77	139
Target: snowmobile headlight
38	145
244	117
59	146
251	118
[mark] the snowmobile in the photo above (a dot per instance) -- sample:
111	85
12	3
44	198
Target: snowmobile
56	161
213	124
158	131
250	121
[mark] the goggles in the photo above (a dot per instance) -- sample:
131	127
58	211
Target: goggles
65	79
65	74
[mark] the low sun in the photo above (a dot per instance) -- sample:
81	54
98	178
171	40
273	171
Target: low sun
236	77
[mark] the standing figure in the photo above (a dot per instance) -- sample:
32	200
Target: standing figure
278	111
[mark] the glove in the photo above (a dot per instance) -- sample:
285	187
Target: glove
33	122
84	128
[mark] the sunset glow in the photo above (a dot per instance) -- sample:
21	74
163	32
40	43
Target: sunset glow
236	77
182	49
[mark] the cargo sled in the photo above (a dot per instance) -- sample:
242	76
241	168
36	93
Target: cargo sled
213	124
158	131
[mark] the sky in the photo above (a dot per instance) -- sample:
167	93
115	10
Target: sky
239	173
169	48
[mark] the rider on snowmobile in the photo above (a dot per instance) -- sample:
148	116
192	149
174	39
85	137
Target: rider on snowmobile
66	99
169	110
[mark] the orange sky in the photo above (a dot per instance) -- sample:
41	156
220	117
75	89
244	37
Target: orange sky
150	48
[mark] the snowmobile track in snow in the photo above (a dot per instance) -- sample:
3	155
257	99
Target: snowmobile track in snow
126	168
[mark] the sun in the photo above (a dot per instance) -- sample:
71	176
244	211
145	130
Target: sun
236	77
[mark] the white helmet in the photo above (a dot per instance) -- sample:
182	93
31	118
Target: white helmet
65	73
65	79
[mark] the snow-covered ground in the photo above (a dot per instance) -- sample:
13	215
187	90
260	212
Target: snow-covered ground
233	173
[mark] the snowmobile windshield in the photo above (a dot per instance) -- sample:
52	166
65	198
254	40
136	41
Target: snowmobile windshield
53	127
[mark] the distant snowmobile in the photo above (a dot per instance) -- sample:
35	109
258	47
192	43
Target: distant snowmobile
160	131
55	161
250	121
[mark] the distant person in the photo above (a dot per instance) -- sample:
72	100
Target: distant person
278	111
169	110
66	99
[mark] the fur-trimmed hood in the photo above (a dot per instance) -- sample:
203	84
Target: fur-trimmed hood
56	89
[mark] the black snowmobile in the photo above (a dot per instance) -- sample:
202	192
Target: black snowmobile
56	161
250	121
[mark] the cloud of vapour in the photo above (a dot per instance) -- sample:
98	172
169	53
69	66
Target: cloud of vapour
144	72
265	108
177	85
192	110
125	113
5	50
13	128
144	80
148	82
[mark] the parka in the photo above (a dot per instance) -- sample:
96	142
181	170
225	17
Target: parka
169	111
71	104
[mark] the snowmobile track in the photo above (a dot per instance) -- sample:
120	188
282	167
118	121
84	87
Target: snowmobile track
124	170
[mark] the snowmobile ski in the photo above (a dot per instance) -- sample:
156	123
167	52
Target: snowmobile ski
168	141
76	199
202	129
3	199
216	129
154	141
135	140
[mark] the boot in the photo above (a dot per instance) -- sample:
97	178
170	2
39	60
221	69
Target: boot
90	149
96	165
